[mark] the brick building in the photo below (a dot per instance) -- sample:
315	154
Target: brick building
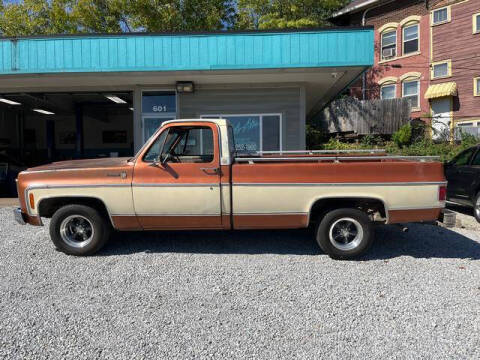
426	51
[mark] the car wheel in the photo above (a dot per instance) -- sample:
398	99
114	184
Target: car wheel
79	230
476	207
345	233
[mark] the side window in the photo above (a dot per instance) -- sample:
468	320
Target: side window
189	145
153	153
476	159
463	158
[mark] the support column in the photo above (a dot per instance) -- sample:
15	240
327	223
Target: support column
79	151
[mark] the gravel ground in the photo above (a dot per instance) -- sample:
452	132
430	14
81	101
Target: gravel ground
262	294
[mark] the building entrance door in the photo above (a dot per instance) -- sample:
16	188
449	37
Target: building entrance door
441	118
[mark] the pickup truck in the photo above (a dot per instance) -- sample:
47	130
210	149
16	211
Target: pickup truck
188	175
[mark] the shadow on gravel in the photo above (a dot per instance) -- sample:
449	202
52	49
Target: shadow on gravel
422	241
294	242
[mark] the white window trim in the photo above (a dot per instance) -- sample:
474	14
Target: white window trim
449	69
414	108
403	38
448	8
389	30
261	115
394	89
476	88
475	22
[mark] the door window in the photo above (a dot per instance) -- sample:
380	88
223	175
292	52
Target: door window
153	154
463	158
476	159
183	145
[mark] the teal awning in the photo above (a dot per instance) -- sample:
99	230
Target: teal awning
336	47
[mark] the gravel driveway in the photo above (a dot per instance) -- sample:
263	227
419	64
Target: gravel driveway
261	294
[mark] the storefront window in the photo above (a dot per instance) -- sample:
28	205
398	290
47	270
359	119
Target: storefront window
254	132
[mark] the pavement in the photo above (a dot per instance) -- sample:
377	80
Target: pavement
246	294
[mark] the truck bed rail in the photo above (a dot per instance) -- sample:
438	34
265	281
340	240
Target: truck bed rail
313	152
252	160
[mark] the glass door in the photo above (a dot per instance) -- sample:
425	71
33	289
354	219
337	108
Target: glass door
150	124
157	107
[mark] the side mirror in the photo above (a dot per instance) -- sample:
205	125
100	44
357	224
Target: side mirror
164	158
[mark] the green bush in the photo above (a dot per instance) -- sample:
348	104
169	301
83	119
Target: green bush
403	136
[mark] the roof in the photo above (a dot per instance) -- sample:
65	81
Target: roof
354	6
93	53
441	90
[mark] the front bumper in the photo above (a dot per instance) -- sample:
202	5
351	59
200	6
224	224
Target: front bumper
24	219
18	216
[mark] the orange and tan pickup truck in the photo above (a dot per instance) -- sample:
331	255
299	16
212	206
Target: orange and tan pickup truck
188	175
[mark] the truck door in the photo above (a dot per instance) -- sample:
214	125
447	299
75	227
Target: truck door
176	182
458	177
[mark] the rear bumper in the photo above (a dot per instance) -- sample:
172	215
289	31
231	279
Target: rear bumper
24	219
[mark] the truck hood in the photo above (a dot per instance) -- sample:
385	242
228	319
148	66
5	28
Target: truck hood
104	163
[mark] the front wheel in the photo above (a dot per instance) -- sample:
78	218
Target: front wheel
345	233
79	230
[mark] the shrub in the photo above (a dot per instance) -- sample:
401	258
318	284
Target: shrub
403	136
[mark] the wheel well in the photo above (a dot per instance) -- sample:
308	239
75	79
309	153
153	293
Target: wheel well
48	207
372	207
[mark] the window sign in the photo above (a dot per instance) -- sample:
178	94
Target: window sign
254	132
158	102
247	132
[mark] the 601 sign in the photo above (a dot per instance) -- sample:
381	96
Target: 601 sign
159	108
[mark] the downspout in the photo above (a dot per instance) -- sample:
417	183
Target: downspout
364	76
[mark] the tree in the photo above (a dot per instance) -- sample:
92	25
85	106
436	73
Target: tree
38	17
280	14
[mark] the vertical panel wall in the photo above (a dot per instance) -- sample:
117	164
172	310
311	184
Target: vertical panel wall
286	101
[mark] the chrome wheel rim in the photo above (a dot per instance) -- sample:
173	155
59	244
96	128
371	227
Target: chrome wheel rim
346	234
477	208
77	231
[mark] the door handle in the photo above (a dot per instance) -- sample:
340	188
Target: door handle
210	171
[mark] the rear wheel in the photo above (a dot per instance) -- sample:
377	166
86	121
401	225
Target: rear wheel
345	233
476	207
79	230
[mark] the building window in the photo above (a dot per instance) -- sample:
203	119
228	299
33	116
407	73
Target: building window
476	87
389	44
441	69
410	39
388	91
254	133
441	16
410	92
476	23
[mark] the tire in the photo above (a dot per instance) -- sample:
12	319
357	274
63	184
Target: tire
340	245
476	207
79	230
